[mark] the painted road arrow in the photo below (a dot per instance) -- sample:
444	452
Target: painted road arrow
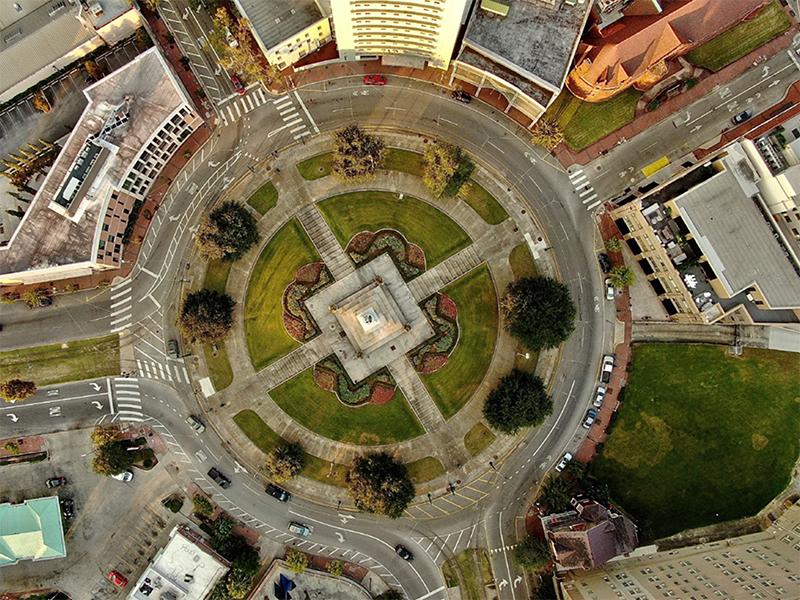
14	418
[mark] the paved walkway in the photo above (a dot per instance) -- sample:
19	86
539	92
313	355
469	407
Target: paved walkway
445	272
334	256
419	399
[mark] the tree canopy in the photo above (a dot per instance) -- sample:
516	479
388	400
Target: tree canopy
356	154
380	484
227	232
519	400
539	312
556	494
285	462
532	553
17	390
446	168
390	594
622	276
111	458
206	315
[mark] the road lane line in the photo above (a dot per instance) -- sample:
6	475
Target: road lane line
308	114
110	396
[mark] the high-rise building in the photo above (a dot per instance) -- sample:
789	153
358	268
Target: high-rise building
408	33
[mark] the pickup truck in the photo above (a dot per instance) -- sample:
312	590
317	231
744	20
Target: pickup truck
607	368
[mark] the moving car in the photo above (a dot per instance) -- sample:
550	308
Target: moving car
238	86
172	349
124	476
278	492
374	80
605	262
404	552
299	529
195	424
563	462
607	368
461	96
219	478
610	291
55	482
117	578
601	395
591	415
742	117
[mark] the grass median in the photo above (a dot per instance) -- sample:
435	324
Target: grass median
264	198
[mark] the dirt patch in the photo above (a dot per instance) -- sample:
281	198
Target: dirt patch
759	441
654	430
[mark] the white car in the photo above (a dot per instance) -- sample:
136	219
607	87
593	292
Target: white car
125	476
601	395
607	368
563	462
611	293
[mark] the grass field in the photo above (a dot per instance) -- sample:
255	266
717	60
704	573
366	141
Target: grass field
478	439
483	203
404	161
583	123
436	233
741	39
315	167
425	469
219	366
702	437
264	198
58	363
453	385
521	261
217	273
320	411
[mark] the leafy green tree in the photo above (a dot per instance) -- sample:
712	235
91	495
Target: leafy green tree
613	244
356	154
17	390
556	494
243	570
286	461
538	311
390	594
296	560
446	168
112	458
335	568
532	553
519	400
621	277
202	506
206	316
227	232
379	484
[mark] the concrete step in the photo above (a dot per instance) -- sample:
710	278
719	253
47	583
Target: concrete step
294	363
325	242
416	393
445	272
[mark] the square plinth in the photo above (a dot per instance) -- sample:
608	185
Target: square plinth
370	317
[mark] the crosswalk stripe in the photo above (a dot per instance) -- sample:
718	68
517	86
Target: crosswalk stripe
251	102
121	284
224	119
127	405
161	370
263	96
230	112
584	192
579	180
281	101
147	369
589	199
298	128
592	206
288	109
126	382
124	292
295	122
125	300
138	365
238	110
576	173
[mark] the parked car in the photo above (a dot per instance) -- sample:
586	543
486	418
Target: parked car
278	492
125	476
173	351
300	529
195	424
238	86
461	96
55	482
117	578
605	262
219	478
607	368
374	80
591	415
611	292
601	395
67	507
742	117
563	462
404	552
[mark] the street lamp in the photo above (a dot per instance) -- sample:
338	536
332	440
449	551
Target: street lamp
526	355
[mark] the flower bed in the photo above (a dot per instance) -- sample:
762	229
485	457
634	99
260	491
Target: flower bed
378	388
409	258
432	354
307	280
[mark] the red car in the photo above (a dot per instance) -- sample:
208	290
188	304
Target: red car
238	86
117	578
374	80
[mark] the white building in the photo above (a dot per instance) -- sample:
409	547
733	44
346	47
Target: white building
185	569
408	33
135	120
40	37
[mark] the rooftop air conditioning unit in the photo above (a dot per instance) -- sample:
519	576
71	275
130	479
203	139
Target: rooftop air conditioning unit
96	9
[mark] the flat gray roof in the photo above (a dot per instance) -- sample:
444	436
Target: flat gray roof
275	21
536	38
738	240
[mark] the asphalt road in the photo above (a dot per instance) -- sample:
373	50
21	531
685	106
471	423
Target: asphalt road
142	306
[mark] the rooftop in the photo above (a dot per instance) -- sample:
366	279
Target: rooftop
31	531
275	21
185	569
736	237
534	37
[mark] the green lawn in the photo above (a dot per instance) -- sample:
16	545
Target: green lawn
483	203
217	273
478	439
316	166
521	261
219	367
264	198
583	123
425	469
58	363
701	434
436	233
453	385
404	161
321	411
266	337
741	39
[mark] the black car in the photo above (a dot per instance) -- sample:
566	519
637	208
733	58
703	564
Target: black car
278	492
67	507
461	96
742	117
605	262
404	552
219	478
